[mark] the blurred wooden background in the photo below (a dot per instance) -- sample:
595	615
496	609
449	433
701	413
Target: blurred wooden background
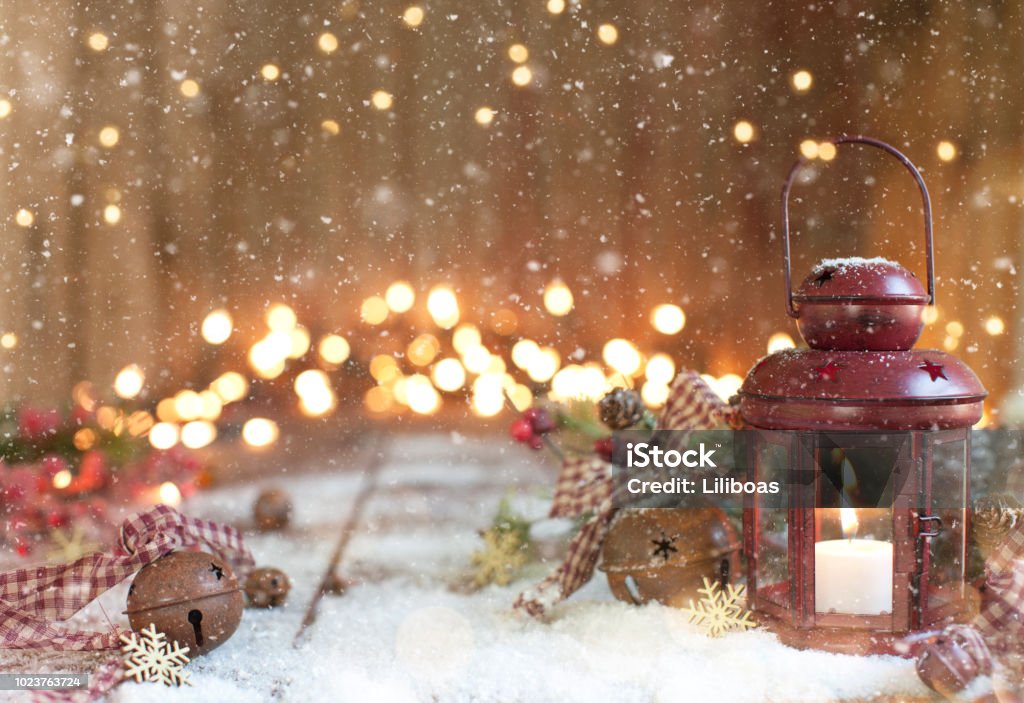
616	169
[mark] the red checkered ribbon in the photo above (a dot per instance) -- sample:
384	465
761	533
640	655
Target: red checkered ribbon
585	486
692	405
33	600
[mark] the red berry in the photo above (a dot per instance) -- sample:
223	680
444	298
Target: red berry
540	419
522	430
537	442
604	448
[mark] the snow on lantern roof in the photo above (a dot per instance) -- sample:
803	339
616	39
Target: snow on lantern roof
852	261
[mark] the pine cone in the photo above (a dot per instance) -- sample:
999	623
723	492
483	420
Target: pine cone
994	516
622	408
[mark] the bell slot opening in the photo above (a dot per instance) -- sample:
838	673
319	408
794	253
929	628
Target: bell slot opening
195	617
634	592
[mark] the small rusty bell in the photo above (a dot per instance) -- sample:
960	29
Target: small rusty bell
267	587
191	597
272	509
953	660
664	554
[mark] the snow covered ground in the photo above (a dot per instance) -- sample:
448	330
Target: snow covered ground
405	632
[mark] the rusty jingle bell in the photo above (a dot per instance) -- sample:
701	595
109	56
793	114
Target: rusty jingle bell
267	587
272	509
664	554
192	597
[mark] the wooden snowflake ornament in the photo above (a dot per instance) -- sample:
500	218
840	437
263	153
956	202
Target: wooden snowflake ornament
720	611
148	656
500	559
69	547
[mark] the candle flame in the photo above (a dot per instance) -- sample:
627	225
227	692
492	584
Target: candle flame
848	519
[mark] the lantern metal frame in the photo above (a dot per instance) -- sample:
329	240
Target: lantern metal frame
886	396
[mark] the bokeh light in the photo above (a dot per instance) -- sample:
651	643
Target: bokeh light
558	298
270	72
163	435
98	41
448	375
801	80
608	33
334	349
400	296
780	341
660	369
413	16
24	218
443	307
743	131
518	53
217	326
466	337
109	136
946	150
374	310
522	76
259	432
623	356
327	43
198	434
129	381
994	325
668	319
281	318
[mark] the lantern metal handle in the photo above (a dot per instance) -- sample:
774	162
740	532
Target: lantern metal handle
856	139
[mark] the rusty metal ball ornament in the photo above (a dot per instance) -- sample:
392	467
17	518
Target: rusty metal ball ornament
953	660
664	554
267	587
192	597
272	509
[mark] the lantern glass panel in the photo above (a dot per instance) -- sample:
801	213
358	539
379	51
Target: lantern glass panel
854	544
772	524
947	551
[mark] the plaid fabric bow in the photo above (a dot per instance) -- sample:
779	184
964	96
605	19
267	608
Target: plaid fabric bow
585	486
34	599
1001	619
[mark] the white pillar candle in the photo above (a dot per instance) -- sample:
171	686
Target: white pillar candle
853	576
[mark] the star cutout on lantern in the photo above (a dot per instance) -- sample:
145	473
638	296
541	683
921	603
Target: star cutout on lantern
664	546
934	370
824	277
828	372
217	571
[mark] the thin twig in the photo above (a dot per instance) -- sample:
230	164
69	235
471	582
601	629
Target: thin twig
348	529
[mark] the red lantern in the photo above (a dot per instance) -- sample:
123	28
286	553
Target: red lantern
871	440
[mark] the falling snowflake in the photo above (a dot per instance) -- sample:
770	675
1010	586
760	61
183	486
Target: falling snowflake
149	657
500	559
68	548
720	611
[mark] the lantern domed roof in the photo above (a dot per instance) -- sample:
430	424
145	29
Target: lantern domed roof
918	389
